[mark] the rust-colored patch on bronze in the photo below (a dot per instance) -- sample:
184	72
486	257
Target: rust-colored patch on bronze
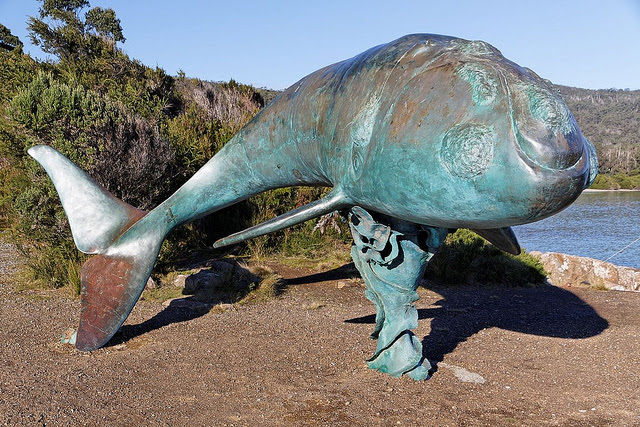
134	216
105	300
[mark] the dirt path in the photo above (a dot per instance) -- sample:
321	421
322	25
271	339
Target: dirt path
545	356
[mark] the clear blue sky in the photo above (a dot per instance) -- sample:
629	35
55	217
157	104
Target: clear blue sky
589	43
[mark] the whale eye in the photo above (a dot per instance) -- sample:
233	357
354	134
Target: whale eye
484	84
548	109
467	149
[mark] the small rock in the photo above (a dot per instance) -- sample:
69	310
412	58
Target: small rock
151	284
341	285
219	276
314	305
69	337
464	375
204	279
179	281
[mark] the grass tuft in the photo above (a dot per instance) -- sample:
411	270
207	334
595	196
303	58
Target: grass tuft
599	287
270	286
162	293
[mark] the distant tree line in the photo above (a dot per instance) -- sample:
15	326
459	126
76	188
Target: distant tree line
610	118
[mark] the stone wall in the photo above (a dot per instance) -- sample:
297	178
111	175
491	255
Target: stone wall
566	269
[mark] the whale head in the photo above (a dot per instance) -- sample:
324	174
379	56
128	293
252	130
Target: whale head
473	140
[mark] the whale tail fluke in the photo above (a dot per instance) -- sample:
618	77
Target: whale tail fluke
111	286
125	247
97	218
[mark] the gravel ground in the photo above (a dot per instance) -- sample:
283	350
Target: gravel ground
504	356
8	260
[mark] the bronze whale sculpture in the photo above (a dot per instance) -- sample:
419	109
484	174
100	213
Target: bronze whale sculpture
418	136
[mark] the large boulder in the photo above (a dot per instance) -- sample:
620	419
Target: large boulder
219	276
566	270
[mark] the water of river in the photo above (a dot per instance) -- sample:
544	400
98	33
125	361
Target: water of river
597	225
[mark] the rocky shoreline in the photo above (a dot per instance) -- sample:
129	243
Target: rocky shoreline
567	270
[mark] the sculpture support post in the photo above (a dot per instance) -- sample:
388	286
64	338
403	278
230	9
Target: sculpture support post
392	259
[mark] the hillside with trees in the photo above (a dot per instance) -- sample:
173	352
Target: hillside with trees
610	118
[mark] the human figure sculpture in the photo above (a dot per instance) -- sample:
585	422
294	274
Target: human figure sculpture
425	134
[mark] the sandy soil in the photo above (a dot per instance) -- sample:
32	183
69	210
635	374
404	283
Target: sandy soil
544	356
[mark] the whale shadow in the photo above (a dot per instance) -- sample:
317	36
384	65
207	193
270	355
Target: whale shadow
179	310
346	271
463	311
547	311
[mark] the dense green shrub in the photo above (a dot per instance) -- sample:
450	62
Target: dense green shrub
617	181
123	152
16	70
466	258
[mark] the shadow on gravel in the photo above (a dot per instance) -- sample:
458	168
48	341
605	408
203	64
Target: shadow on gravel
462	312
465	310
347	271
545	311
217	281
189	308
181	310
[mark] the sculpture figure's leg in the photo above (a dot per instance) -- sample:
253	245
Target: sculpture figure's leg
392	258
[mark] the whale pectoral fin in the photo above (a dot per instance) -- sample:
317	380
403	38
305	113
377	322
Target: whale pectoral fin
502	238
335	200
